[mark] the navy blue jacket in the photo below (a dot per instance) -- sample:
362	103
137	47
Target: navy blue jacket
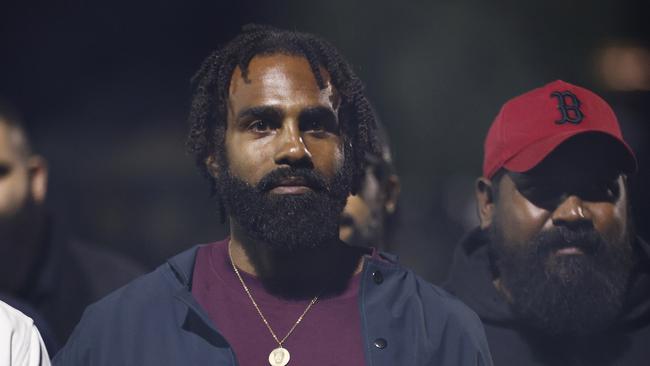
155	321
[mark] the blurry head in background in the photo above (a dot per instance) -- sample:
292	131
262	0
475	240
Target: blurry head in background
623	65
554	201
368	218
23	186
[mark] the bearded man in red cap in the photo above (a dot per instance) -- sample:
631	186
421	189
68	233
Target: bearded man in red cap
555	270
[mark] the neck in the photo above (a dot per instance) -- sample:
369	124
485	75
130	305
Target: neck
323	270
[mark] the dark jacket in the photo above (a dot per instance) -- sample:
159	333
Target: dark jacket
69	276
155	321
627	343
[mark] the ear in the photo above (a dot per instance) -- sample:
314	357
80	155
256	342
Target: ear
391	192
212	166
38	174
484	192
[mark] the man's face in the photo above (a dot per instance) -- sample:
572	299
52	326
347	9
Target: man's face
286	177
281	118
22	191
14	179
362	221
561	242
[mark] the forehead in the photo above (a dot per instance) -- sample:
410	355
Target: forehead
279	80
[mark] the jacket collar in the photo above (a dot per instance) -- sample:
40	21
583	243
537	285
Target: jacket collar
182	265
470	278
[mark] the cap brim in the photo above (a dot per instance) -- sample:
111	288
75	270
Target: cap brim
533	154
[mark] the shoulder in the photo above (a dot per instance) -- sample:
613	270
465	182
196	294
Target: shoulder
154	288
443	325
409	285
106	269
13	320
20	341
151	306
144	297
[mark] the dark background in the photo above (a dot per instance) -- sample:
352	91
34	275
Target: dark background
104	87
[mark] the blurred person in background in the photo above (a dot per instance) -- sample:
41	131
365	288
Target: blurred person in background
20	342
280	125
555	270
42	272
622	70
369	216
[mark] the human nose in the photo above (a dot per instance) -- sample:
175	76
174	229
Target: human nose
572	212
292	149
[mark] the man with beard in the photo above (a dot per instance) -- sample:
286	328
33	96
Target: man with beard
555	270
43	273
280	125
369	216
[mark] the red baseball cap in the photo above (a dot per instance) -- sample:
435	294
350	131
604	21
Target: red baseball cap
532	125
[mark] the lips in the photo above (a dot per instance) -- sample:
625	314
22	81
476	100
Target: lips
569	251
563	241
292	181
291	185
574	248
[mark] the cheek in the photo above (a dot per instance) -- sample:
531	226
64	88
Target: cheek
519	220
357	209
327	155
609	220
246	159
13	194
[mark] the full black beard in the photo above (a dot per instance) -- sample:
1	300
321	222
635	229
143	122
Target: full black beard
295	237
571	295
287	222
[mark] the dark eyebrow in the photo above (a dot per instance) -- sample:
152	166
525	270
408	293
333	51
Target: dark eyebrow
262	112
320	113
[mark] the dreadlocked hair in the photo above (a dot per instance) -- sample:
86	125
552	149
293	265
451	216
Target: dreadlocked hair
208	114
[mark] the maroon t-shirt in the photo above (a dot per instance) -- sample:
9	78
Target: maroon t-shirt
329	334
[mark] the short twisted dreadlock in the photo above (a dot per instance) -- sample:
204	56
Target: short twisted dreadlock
208	114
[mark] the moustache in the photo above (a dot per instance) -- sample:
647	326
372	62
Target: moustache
306	177
586	239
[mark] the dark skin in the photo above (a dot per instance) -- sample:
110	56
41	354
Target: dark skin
23	187
572	188
278	117
366	212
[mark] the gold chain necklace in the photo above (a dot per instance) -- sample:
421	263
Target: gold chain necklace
279	356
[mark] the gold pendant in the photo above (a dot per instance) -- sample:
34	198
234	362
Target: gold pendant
279	357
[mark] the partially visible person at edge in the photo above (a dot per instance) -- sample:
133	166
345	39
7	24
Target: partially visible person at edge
555	270
43	273
20	341
368	218
281	127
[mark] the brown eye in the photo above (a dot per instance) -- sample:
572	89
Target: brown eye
604	191
259	126
314	125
